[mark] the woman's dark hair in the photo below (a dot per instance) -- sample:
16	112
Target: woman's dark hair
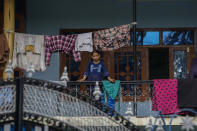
96	51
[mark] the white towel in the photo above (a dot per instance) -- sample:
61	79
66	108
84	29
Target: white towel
84	42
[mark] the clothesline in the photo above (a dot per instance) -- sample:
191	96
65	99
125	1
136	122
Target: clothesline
12	30
36	50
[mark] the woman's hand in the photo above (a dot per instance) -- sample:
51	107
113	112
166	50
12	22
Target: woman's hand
80	80
111	79
83	79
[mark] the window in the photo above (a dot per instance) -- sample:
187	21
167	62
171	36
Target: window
162	36
178	37
180	63
146	38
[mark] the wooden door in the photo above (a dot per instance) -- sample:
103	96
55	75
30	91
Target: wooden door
124	62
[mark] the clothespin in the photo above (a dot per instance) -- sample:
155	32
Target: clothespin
131	24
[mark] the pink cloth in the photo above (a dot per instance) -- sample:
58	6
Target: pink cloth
165	96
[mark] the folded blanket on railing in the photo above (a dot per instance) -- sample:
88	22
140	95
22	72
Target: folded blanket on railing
112	90
187	89
165	96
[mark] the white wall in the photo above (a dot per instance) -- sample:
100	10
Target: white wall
49	16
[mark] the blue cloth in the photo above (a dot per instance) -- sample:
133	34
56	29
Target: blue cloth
23	128
111	91
1	127
96	72
110	101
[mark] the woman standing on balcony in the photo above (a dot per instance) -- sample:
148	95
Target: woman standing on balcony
95	72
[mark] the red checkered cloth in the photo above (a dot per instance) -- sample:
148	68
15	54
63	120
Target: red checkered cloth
113	38
60	43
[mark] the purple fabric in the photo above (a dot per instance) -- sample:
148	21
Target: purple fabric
193	71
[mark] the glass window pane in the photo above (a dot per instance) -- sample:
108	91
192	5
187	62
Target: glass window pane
139	36
179	64
178	37
151	38
146	38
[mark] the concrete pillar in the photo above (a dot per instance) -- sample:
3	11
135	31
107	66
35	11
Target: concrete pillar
9	27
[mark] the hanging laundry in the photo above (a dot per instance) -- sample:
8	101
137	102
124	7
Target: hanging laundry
4	51
165	96
29	49
111	90
113	38
61	43
187	93
84	42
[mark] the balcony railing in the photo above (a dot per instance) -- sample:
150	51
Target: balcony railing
56	105
71	104
132	93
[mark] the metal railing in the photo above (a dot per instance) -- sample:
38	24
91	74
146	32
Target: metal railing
73	105
131	91
53	104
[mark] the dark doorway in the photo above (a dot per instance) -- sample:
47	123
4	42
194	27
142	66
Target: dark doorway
158	63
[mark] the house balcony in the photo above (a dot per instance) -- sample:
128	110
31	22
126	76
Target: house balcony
72	104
